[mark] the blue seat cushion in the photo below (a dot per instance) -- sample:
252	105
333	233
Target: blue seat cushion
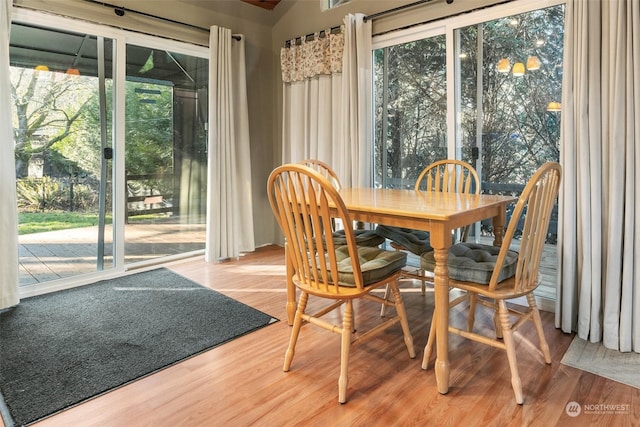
414	241
473	262
363	238
375	263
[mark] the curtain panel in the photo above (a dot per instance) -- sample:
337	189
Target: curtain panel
312	81
327	101
9	272
229	201
357	102
599	244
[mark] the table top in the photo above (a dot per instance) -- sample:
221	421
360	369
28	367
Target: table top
420	205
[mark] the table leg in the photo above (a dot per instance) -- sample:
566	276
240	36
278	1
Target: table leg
498	227
441	289
291	288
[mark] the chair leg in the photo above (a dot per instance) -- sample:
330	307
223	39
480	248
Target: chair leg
471	320
496	321
295	331
347	327
511	351
537	321
423	283
383	309
428	349
402	314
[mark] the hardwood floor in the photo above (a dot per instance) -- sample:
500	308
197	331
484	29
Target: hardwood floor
241	383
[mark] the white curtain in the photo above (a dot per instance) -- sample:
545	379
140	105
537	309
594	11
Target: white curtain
229	199
327	100
9	275
599	245
356	100
312	81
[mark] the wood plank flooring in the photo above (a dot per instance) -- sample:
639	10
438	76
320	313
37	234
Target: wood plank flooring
241	383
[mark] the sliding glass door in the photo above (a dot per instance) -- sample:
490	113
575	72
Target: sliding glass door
62	132
110	139
165	153
484	88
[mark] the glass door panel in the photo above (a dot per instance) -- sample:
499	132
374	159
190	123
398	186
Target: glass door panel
165	153
410	101
510	74
510	77
62	83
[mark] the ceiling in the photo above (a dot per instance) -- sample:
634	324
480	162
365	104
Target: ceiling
266	4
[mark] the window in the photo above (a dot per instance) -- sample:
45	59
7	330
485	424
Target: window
330	4
410	110
484	88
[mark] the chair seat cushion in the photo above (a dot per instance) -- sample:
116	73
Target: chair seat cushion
415	241
363	238
473	262
375	263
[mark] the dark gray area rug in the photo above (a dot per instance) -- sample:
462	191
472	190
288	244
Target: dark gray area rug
60	349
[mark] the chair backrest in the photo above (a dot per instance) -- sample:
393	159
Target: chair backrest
303	202
449	176
324	170
535	204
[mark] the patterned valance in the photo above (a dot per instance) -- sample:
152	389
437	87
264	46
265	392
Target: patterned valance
322	55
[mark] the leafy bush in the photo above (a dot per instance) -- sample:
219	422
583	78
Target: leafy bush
48	194
39	194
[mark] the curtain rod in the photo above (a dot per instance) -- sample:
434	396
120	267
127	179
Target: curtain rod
399	8
332	29
120	11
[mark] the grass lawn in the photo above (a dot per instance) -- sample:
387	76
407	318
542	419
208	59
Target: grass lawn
38	222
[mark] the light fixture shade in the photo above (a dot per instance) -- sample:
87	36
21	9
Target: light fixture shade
73	71
41	68
554	106
533	63
518	69
504	66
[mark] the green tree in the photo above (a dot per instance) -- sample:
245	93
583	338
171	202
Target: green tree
149	128
46	106
518	133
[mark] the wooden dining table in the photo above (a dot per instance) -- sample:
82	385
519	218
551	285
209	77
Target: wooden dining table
436	212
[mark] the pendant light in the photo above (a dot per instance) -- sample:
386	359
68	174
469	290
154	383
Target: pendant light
518	69
554	106
504	66
533	63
